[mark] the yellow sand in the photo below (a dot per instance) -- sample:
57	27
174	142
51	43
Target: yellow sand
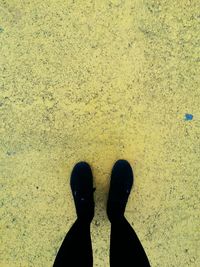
98	81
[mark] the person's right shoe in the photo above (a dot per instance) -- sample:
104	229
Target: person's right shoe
120	186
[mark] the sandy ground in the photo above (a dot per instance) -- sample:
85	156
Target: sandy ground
99	81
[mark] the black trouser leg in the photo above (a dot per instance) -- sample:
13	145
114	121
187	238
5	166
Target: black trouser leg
125	247
76	249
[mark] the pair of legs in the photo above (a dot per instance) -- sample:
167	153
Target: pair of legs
125	247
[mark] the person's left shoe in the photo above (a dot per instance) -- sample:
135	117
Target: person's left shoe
81	183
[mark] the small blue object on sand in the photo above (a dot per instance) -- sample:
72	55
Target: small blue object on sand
188	117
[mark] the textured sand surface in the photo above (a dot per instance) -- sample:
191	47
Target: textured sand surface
98	81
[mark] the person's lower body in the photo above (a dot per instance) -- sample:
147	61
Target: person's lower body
76	249
125	247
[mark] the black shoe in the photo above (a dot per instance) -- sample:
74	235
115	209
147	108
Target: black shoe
82	190
120	186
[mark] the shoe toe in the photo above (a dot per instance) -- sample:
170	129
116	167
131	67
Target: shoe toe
82	166
81	177
82	169
122	168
